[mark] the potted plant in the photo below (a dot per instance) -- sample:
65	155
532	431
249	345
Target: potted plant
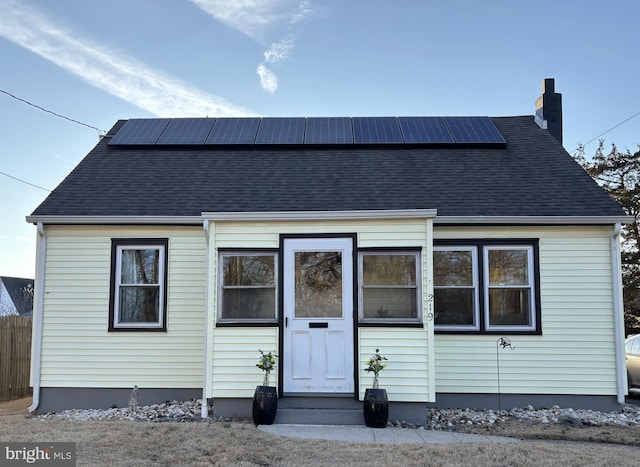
376	403
265	398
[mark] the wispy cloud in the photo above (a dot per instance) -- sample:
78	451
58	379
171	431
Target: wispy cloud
259	20
256	19
279	51
268	79
118	75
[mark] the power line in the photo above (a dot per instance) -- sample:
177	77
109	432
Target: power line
100	132
610	129
24	181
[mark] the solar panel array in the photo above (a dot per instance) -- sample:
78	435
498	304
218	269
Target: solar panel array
320	130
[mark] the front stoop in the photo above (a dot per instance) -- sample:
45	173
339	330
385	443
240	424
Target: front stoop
319	411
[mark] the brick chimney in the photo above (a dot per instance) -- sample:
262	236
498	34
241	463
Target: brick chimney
549	109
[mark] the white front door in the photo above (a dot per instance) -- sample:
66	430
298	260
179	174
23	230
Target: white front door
318	315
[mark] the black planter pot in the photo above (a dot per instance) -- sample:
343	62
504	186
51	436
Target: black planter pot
376	408
265	405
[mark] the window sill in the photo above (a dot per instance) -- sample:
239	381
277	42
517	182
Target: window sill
246	324
136	329
392	324
492	332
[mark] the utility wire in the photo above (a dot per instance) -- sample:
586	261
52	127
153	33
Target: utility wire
100	132
24	181
610	129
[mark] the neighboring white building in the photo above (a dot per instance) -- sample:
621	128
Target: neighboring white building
16	296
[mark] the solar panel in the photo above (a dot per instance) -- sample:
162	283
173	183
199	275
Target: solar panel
234	131
328	130
186	131
281	131
425	130
140	131
474	130
376	130
317	130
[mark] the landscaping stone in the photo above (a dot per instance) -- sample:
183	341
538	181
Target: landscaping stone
436	419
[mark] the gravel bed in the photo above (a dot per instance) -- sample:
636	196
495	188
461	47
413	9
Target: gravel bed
436	419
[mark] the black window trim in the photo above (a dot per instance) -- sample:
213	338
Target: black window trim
221	323
115	243
480	244
402	323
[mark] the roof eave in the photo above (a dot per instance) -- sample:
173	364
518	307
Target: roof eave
535	220
321	215
333	215
116	220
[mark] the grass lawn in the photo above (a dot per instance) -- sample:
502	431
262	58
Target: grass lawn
129	443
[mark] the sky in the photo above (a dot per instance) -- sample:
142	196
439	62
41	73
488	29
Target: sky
71	68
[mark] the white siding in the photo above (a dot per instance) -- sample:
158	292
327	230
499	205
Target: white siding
575	353
235	355
406	377
78	350
235	350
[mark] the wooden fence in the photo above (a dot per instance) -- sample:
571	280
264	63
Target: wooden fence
15	357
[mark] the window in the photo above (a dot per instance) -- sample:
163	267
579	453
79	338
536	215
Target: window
389	286
248	287
455	284
503	273
508	291
138	285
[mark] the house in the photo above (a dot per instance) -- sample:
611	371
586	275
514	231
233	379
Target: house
178	248
16	296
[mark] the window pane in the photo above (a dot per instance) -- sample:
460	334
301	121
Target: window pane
510	307
508	267
389	303
251	303
389	269
453	268
248	270
455	306
139	305
318	284
140	266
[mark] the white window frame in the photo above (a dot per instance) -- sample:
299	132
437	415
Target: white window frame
475	286
531	286
418	287
161	284
221	286
483	246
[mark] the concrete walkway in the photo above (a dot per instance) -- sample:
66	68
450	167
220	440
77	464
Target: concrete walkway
389	435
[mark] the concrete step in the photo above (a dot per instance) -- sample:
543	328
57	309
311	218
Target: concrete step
319	411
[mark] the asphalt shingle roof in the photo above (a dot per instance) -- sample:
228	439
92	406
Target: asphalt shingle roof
532	176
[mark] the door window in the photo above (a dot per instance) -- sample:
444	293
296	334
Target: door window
318	284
